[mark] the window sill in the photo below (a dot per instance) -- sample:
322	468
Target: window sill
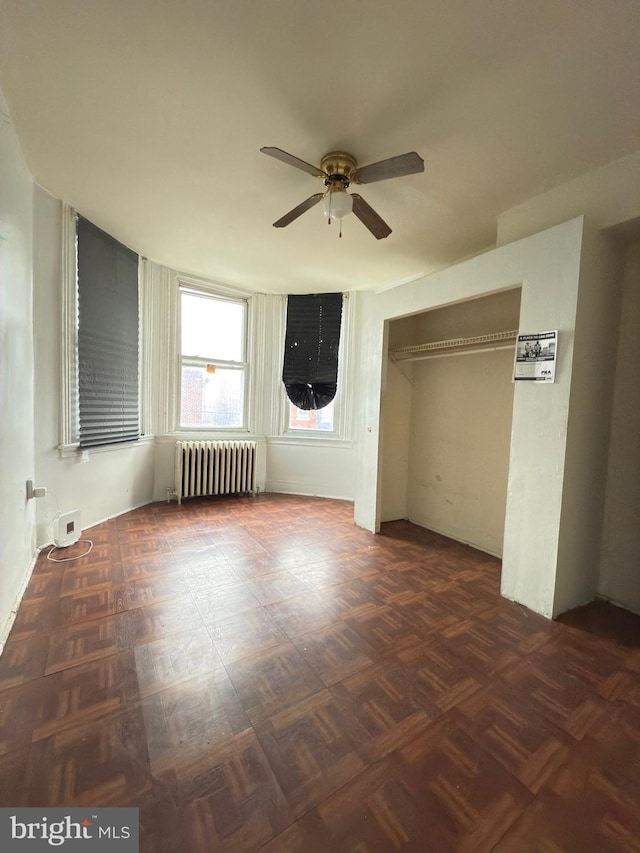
208	435
315	439
68	451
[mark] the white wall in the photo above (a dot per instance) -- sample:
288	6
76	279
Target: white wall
395	431
459	460
588	427
606	197
17	515
547	266
113	480
318	469
619	578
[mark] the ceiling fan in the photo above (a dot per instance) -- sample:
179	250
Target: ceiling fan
338	170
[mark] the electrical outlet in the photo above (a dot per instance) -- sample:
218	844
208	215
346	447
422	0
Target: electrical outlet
35	491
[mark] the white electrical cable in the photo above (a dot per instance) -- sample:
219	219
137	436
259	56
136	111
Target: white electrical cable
68	559
49	517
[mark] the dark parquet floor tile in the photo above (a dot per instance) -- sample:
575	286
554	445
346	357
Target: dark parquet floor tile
467	798
84	694
550	824
191	718
170	660
151	590
350	598
139	547
35	619
103	762
335	652
93	604
275	679
426	613
134	568
245	634
443	678
526	744
303	613
261	674
233	800
81	642
162	619
92	578
206	572
310	750
23	660
384	627
269	589
19	710
216	603
321	574
44	586
13	769
386	708
255	566
557	694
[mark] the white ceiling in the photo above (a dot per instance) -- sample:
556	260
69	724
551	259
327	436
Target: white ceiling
148	116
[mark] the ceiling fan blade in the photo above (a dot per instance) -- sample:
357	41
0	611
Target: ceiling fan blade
394	167
298	211
369	218
279	154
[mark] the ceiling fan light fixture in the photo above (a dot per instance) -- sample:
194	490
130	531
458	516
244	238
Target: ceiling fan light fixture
337	203
337	172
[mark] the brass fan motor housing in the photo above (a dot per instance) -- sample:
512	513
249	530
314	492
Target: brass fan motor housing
338	165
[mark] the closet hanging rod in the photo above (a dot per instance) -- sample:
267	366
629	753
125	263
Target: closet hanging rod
450	353
459	344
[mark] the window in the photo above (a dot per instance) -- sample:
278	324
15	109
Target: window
213	367
107	338
310	369
312	419
333	421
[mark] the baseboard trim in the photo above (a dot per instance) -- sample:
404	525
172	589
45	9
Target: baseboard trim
281	487
11	617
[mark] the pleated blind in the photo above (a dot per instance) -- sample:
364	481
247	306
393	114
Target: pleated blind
310	369
107	338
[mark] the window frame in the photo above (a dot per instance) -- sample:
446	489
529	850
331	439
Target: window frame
69	415
201	290
343	409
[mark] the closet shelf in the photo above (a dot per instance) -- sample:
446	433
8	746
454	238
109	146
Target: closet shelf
458	344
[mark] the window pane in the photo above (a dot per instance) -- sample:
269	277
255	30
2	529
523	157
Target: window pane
212	328
211	399
313	419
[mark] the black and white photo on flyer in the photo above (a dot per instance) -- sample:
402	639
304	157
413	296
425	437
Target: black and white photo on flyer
536	357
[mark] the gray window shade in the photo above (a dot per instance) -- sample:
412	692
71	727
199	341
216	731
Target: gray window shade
107	338
310	369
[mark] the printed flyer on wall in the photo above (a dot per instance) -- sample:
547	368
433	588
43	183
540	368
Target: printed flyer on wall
536	357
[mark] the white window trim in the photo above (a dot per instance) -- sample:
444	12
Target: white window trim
170	419
69	338
341	435
69	425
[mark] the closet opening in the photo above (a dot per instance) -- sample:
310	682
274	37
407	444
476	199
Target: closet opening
446	418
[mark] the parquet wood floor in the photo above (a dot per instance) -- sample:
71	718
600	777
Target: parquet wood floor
260	674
